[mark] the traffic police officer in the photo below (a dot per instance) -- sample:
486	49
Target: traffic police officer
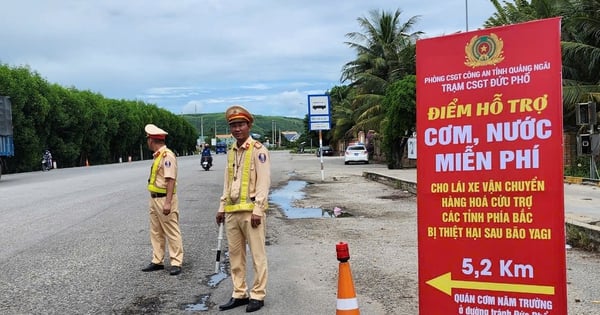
164	211
243	207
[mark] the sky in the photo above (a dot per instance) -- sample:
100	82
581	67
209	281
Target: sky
201	56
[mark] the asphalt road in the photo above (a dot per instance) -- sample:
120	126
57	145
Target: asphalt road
74	240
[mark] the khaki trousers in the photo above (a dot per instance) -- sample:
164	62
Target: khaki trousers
239	232
165	229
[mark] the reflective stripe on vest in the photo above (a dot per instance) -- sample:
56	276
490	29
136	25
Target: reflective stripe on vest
154	170
244	204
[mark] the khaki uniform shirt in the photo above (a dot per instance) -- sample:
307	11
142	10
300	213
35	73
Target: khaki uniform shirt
167	167
260	177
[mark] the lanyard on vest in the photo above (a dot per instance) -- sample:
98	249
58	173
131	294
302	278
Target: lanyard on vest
243	204
152	180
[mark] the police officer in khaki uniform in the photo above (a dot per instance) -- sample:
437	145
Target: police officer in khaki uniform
243	209
164	211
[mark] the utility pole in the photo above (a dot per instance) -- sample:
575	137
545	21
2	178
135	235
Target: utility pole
592	113
273	126
593	171
467	15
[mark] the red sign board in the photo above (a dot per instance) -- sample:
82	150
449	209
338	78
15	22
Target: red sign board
490	172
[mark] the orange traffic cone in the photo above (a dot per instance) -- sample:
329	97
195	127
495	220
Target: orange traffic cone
347	304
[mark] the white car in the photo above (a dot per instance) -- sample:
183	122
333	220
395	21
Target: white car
356	153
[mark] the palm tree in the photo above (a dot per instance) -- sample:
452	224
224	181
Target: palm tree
581	50
522	11
385	53
343	119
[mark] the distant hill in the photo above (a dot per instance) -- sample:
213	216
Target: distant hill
263	125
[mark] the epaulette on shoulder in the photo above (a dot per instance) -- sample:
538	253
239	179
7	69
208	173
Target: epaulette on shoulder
164	153
258	145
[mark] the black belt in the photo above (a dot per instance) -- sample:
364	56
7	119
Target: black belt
157	195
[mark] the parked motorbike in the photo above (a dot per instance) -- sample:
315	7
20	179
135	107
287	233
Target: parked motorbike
46	164
206	162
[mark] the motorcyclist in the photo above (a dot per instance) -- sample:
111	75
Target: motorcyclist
47	157
206	154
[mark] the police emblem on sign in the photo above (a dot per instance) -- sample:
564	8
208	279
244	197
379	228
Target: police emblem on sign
484	50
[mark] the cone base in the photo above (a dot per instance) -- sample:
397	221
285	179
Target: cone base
347	304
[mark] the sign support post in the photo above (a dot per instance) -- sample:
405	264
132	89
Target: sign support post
319	118
321	154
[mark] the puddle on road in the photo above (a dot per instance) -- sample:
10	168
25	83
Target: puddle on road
203	301
216	278
200	306
285	196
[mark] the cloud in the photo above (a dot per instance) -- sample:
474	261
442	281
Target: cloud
204	55
257	86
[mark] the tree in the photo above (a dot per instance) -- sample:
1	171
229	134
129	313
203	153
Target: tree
342	112
581	52
80	125
400	109
30	110
520	11
385	53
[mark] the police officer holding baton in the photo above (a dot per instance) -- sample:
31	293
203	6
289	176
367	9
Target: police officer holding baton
243	207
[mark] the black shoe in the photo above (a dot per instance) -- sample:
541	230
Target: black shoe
153	267
175	270
233	302
254	305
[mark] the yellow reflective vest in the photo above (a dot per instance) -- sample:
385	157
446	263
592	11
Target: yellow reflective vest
152	180
244	204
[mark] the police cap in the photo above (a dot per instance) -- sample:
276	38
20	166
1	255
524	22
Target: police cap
154	132
238	113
